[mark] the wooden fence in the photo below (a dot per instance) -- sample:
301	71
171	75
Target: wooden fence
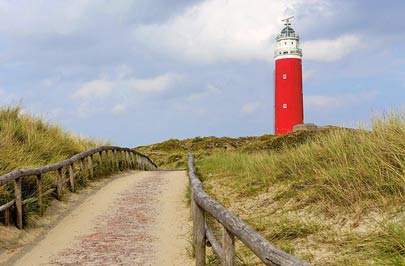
117	156
233	226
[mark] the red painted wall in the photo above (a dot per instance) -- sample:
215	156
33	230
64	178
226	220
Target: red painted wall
288	93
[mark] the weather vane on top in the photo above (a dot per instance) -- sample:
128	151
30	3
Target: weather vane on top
287	20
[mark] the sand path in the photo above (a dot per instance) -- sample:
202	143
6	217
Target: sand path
137	219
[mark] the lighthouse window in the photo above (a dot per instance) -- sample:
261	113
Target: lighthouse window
284	106
284	76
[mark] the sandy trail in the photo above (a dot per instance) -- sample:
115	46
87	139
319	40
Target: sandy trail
137	219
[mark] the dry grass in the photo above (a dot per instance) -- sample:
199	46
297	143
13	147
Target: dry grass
173	152
27	142
333	198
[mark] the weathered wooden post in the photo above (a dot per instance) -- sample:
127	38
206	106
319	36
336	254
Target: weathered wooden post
113	159
7	217
128	159
131	165
133	160
124	154
100	156
142	163
40	191
107	157
117	160
59	184
228	246
72	177
18	202
199	234
138	162
91	169
82	165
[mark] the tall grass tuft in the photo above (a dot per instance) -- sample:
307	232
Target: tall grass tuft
27	142
344	187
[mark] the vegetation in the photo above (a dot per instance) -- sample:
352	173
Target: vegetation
173	152
332	198
27	142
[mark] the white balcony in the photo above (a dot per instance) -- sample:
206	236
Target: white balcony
288	51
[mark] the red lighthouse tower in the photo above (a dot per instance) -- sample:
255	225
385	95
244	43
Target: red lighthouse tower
288	102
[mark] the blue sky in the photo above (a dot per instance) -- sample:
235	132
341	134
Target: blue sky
140	71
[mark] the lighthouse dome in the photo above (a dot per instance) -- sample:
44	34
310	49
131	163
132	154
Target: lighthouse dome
287	33
288	30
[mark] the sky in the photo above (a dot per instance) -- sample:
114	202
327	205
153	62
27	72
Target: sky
136	72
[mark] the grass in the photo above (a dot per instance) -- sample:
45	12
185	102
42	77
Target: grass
27	142
334	197
173	152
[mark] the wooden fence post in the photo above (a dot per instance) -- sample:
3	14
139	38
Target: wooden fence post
82	165
124	155
40	191
107	157
100	156
18	202
72	177
128	159
138	163
199	234
91	169
228	246
117	160
113	160
133	160
142	163
7	217
59	185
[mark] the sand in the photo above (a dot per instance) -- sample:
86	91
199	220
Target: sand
136	219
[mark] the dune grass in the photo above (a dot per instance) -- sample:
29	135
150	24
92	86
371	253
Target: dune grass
27	142
338	199
173	152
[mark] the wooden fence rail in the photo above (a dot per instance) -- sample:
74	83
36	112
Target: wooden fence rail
233	227
130	158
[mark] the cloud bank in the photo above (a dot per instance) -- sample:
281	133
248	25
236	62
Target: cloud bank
238	30
102	88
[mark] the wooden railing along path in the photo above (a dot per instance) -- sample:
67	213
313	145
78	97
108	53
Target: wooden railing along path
125	156
233	226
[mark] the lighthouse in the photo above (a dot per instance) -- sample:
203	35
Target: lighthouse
288	99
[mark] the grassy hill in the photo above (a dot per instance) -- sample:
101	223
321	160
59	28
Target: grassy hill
27	142
173	152
335	197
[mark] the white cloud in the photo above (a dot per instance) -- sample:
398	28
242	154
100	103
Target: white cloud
157	84
94	88
116	94
102	88
330	50
222	30
333	102
119	108
62	17
249	108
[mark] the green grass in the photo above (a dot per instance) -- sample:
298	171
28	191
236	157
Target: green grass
27	142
